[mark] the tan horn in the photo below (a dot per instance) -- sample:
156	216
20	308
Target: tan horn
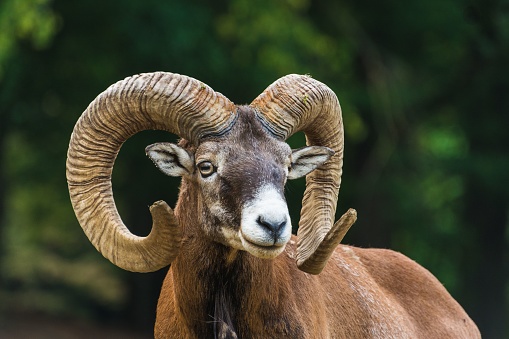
163	101
299	103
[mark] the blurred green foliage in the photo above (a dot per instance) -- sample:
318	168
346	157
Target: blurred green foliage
30	20
423	86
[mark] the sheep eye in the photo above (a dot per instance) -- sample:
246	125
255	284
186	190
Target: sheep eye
206	168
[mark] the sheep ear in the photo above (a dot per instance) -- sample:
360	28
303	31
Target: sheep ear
171	159
307	159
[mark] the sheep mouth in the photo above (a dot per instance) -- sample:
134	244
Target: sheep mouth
263	250
264	242
267	247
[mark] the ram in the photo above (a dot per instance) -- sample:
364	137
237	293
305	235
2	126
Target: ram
236	269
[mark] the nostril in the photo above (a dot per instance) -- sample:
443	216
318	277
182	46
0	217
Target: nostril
273	226
280	227
263	223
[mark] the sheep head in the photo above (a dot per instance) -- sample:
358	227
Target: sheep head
254	215
240	177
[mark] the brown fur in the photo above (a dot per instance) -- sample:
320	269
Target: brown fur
212	291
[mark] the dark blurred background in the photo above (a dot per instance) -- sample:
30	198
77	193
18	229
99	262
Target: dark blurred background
424	87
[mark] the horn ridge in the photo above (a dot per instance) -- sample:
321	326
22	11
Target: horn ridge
300	103
164	101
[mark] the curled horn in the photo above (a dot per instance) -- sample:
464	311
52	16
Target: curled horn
299	103
163	101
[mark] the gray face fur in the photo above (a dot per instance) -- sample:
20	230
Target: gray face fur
241	177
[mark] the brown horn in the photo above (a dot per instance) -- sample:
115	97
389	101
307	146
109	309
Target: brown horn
163	101
299	103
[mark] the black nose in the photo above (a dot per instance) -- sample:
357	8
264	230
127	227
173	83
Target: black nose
274	227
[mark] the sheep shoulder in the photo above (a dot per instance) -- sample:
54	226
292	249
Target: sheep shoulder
383	293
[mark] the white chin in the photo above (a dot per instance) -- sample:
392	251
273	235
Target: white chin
262	252
235	240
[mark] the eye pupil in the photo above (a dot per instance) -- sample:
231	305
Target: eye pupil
206	168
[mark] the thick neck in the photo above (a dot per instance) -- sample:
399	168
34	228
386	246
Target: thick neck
216	287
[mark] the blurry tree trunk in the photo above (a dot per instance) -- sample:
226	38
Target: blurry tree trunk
488	214
484	97
3	189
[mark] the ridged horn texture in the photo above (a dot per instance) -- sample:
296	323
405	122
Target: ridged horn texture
162	101
299	103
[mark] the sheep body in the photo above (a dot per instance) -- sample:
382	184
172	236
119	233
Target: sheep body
236	271
361	293
213	290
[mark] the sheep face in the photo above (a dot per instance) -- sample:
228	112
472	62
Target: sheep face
240	177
